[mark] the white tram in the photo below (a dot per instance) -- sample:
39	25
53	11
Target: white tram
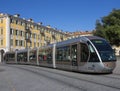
83	54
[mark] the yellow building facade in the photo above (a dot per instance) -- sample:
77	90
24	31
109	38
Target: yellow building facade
18	33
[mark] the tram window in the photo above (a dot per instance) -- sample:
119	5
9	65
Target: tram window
63	53
105	50
74	52
49	54
59	54
40	55
91	48
45	54
32	55
93	55
11	55
84	53
102	45
22	56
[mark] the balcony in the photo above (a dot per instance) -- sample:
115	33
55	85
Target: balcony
28	29
27	37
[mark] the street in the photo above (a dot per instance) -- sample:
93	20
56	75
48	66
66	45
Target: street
34	78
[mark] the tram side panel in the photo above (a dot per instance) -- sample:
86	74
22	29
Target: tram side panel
45	56
32	56
22	58
63	57
9	57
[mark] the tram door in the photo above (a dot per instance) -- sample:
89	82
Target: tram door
84	54
74	56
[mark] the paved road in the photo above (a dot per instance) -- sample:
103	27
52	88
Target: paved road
32	78
117	69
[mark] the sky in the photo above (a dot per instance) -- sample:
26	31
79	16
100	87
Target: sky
66	15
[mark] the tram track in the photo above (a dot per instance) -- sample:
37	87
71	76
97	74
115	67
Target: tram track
44	71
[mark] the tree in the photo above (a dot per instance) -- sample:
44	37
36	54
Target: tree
109	27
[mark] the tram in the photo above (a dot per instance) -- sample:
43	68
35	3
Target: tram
83	54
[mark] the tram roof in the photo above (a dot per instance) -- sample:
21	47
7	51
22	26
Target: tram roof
22	51
73	40
82	39
94	37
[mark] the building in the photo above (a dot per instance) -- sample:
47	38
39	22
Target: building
18	33
78	33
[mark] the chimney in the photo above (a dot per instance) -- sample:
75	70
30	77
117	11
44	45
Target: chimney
31	20
39	23
16	15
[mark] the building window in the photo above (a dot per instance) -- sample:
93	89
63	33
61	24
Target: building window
21	42
16	42
1	42
11	31
16	21
20	33
1	20
1	31
17	32
11	20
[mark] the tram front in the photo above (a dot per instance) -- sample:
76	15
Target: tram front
104	54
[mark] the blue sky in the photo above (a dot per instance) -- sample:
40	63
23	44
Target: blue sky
66	15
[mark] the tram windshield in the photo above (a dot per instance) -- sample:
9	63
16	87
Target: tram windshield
105	50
